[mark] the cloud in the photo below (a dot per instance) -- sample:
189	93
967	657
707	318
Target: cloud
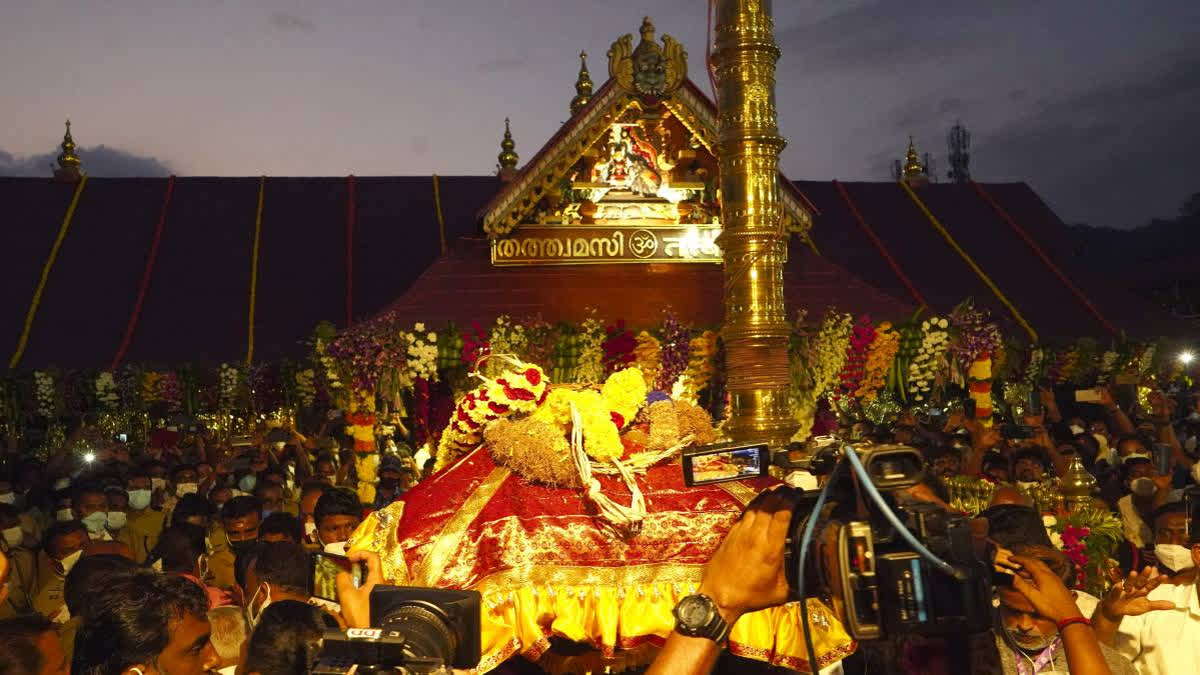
291	22
99	161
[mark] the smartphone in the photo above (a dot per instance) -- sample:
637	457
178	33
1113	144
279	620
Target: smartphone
121	437
725	462
323	571
1016	431
1087	395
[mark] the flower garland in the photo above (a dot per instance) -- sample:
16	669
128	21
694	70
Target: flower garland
973	335
922	371
520	389
979	387
1108	362
819	360
228	379
422	355
878	365
676	341
47	401
450	348
306	390
507	337
170	392
106	391
851	376
647	357
700	368
589	369
1089	535
618	347
475	345
624	392
150	387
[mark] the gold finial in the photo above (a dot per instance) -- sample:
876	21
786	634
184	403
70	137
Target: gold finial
647	29
912	163
69	167
583	86
508	156
1076	483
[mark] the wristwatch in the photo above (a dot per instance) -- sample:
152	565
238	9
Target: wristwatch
697	616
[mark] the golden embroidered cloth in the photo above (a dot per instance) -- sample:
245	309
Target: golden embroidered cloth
545	568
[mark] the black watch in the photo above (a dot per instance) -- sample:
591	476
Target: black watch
697	616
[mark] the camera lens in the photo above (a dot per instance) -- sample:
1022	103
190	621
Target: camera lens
427	632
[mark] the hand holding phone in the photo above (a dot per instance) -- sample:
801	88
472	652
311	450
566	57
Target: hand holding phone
1088	395
323	571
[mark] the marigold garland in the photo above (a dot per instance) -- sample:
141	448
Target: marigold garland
624	392
647	357
519	389
880	356
702	351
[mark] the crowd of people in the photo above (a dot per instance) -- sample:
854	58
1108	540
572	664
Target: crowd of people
186	554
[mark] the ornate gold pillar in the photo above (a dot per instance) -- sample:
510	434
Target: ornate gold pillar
754	241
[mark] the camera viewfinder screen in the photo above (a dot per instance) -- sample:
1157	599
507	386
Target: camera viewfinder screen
727	465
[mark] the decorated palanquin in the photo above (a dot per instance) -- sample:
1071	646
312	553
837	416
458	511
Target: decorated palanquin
529	509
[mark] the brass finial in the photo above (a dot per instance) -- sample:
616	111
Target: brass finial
647	29
583	86
69	167
1076	483
508	156
912	163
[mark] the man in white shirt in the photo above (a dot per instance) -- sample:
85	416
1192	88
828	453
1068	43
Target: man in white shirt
1155	624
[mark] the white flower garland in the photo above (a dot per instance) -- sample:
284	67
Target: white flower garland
507	337
590	367
327	362
227	381
422	354
106	390
306	390
924	367
44	384
1107	362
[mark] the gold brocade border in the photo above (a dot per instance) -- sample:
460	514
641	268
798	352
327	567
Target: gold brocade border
447	542
792	662
565	575
739	491
378	533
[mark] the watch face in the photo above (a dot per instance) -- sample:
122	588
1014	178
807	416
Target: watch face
694	611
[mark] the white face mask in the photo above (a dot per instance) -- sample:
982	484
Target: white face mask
64	515
69	561
116	520
95	522
310	529
1174	557
12	536
1142	487
336	548
158	483
251	614
186	489
8	498
139	499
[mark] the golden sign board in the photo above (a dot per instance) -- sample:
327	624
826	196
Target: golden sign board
599	244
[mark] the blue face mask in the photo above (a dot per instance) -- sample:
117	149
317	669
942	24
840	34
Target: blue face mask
247	482
267	512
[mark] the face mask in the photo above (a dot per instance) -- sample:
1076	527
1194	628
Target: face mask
241	547
310	529
8	498
95	522
64	515
116	520
202	566
69	561
139	499
186	489
252	615
1174	557
247	482
158	483
1076	429
62	483
279	445
1136	455
336	548
267	512
12	536
1142	487
388	483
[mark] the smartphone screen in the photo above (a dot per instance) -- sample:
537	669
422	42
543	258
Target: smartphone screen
324	568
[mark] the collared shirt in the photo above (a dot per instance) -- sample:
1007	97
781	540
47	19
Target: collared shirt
1164	642
1133	525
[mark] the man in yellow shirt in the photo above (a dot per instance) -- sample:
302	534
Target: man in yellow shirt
143	524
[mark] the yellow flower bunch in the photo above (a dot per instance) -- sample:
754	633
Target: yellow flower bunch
880	355
647	356
150	386
700	368
624	393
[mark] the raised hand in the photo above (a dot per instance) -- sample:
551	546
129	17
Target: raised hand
1128	596
1044	589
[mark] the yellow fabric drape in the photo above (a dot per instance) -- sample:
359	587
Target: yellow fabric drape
37	293
262	182
937	225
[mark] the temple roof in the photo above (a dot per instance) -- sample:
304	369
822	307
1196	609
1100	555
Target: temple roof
197	297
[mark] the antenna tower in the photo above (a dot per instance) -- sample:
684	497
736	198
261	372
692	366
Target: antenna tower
959	143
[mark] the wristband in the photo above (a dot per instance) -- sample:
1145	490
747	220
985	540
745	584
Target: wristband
1073	620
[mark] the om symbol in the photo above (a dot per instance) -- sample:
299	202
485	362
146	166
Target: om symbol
643	244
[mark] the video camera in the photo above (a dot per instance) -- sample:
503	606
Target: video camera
415	631
886	563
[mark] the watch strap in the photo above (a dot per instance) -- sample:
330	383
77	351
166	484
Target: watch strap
715	629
